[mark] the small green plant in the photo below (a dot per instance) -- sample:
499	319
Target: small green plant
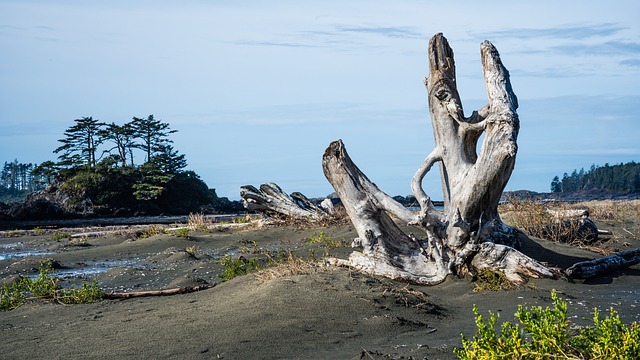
325	240
182	232
242	220
46	287
547	334
486	279
60	235
152	231
192	250
237	267
38	231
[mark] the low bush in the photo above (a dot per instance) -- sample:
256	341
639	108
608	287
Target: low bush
237	267
46	287
548	334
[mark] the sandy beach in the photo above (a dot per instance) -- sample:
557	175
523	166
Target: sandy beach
324	313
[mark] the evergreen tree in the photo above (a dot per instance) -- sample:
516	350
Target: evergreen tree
123	139
80	143
153	134
556	185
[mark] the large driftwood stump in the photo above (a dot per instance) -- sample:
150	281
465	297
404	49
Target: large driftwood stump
469	234
271	199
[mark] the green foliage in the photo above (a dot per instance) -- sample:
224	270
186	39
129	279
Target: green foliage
547	334
46	287
192	250
59	236
325	240
151	231
182	232
237	267
80	143
618	178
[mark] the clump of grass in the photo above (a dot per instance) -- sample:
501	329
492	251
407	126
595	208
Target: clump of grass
192	250
11	233
46	287
242	220
38	231
60	235
182	232
151	231
487	279
327	241
616	211
233	267
198	222
556	222
79	241
548	334
288	263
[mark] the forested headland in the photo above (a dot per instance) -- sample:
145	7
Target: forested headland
621	178
107	169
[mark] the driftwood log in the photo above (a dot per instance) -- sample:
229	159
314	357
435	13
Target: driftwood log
271	199
469	234
163	292
592	268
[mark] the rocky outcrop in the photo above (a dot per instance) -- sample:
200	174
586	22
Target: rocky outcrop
50	203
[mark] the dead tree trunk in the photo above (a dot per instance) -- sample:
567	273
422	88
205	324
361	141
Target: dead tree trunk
469	234
271	199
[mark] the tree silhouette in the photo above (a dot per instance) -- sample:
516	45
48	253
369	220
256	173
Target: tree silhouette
80	143
153	134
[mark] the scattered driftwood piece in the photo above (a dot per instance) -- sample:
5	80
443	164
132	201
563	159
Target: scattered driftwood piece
469	233
164	292
568	213
93	234
271	199
591	268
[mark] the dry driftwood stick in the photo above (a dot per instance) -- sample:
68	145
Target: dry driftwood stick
163	292
595	267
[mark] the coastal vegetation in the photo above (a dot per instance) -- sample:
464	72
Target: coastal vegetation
46	287
621	178
549	334
110	169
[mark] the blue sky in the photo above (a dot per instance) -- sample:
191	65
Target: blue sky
258	89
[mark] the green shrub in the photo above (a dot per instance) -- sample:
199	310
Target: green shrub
237	267
46	287
182	232
546	334
325	240
59	236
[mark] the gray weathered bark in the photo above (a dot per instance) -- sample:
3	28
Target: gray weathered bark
591	268
271	199
469	234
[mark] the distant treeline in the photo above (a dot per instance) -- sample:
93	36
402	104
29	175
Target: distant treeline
18	179
622	178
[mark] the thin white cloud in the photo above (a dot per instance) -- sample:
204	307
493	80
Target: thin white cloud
385	31
605	49
572	32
